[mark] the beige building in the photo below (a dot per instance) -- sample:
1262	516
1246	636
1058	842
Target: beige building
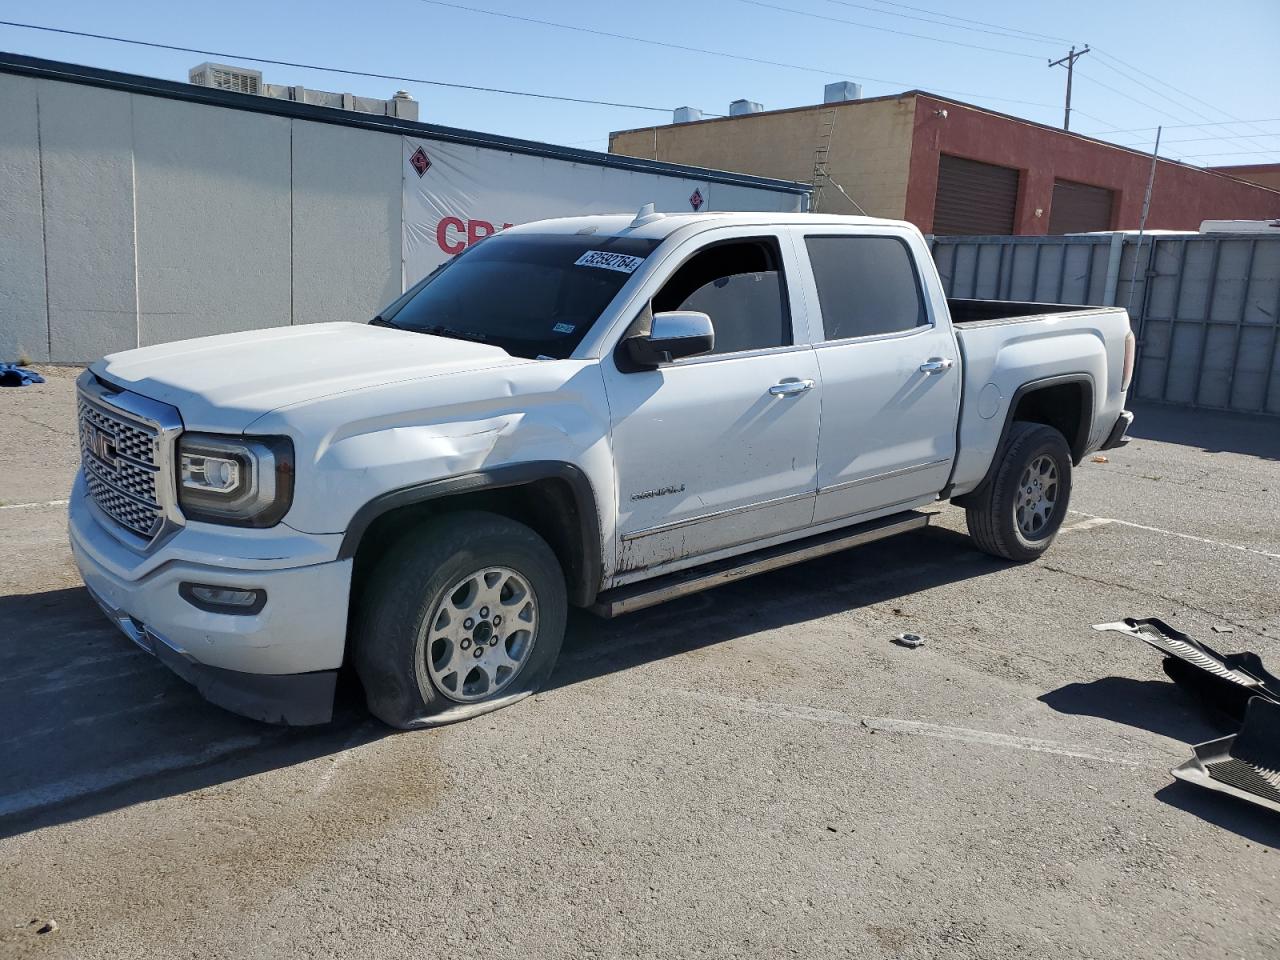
867	148
951	167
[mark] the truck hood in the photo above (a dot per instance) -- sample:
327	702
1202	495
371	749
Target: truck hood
226	382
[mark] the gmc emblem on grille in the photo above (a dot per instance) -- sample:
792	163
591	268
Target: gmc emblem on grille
101	444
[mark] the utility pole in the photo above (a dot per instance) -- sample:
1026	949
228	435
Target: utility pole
1070	61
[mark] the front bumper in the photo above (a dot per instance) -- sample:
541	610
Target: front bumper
1117	436
278	664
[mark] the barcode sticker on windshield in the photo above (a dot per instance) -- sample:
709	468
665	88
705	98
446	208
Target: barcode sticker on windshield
609	261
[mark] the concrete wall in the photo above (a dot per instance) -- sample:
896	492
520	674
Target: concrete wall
870	149
23	302
133	219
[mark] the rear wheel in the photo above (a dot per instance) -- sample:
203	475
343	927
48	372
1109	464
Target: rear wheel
1019	513
463	615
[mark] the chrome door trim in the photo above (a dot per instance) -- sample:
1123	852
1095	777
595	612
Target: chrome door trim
716	515
889	475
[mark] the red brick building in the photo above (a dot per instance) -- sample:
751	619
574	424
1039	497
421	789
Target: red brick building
954	168
1263	174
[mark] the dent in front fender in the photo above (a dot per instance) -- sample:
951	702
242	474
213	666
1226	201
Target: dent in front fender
364	446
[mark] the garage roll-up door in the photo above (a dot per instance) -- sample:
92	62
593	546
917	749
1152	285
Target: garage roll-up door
974	198
1079	208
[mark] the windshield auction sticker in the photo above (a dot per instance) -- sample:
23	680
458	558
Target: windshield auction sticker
609	261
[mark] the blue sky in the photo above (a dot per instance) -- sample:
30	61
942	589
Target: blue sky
1180	63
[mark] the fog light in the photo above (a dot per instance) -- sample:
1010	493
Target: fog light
223	599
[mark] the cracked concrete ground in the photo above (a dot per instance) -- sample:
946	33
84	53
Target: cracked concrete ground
753	772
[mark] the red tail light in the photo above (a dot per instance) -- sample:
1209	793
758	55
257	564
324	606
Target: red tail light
1130	351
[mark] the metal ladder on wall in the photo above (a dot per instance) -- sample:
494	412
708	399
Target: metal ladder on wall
820	155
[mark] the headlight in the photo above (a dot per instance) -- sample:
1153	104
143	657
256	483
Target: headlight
241	481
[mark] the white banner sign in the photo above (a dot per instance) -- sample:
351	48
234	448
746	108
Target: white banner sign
455	195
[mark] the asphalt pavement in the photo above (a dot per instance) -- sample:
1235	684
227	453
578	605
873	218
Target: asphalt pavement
757	771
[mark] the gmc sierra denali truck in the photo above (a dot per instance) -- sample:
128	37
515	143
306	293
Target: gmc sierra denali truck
602	411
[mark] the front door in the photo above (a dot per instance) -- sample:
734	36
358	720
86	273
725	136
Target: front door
890	375
717	452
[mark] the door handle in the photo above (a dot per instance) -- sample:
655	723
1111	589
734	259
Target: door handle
936	365
791	388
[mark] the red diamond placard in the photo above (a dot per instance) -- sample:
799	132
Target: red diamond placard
696	200
420	161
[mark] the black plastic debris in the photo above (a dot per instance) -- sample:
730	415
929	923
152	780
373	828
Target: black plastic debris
12	375
1245	764
1225	681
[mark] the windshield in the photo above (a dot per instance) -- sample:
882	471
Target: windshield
533	295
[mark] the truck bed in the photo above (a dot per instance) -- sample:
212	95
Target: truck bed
969	312
1006	345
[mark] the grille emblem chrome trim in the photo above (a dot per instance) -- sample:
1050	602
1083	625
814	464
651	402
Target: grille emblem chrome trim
101	444
126	456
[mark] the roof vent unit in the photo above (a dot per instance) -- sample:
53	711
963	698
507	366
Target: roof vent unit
221	76
841	91
686	115
740	108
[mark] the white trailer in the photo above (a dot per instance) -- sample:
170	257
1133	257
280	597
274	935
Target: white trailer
459	189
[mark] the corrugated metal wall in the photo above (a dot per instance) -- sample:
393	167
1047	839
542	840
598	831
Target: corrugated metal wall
1206	309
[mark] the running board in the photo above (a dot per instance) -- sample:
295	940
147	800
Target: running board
1245	764
648	593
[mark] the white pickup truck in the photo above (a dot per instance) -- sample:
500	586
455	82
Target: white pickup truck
602	411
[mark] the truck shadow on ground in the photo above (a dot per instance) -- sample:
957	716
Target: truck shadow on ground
868	575
1212	431
90	724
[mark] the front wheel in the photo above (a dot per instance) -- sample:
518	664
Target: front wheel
1019	513
463	615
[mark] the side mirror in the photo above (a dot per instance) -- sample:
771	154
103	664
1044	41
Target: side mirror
671	336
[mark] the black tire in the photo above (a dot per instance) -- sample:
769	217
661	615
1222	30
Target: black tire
392	651
992	517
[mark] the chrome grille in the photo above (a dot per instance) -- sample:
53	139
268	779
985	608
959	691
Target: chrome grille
120	457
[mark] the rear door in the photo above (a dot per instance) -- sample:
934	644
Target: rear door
889	369
717	452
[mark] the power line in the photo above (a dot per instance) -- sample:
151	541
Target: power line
1147	86
1219	138
1128	76
717	53
1215	123
1091	117
1232	153
939	13
221	55
900	33
944	23
1184	93
1118	92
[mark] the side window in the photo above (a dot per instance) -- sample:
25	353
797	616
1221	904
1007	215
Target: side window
866	285
740	286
